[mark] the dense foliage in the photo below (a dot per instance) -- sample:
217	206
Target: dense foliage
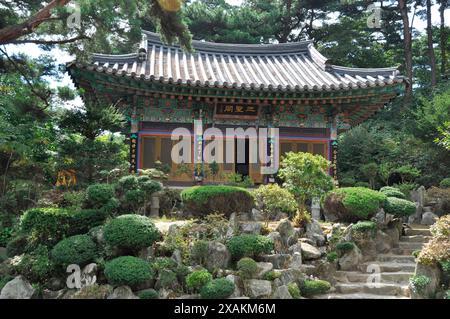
128	271
220	288
249	246
399	207
272	199
78	250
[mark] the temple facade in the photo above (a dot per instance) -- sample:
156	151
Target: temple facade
291	87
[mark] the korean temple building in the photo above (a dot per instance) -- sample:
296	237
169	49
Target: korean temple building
288	86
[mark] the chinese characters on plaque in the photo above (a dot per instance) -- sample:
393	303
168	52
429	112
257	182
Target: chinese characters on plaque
237	110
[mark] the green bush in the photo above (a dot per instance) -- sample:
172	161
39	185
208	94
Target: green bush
98	195
345	247
162	263
6	234
332	256
128	271
83	220
167	279
419	283
311	288
16	246
46	225
294	291
416	253
169	201
364	226
131	232
217	289
271	275
36	266
272	199
73	199
148	294
353	203
247	268
79	250
199	251
390	191
249	246
127	183
445	265
203	200
399	207
197	280
445	183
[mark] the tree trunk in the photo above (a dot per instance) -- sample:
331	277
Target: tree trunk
13	32
443	39
430	46
407	44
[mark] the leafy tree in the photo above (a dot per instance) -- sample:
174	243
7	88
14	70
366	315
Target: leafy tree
305	176
370	171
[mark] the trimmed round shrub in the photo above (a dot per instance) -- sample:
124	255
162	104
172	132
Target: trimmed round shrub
445	183
294	291
392	192
98	195
364	226
83	220
399	207
345	247
79	250
217	289
148	294
311	288
132	232
352	204
249	246
198	279
203	200
128	183
128	271
247	267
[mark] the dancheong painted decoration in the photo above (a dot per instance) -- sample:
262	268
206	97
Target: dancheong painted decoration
289	86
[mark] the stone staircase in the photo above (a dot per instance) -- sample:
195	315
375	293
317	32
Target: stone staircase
394	268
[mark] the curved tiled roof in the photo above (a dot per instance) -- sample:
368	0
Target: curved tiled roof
287	67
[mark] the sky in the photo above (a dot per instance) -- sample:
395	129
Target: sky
62	57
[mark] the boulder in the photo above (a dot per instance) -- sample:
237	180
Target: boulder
18	288
310	252
287	232
314	232
89	292
55	284
288	276
252	228
429	218
380	218
218	256
435	276
296	248
233	226
177	257
315	208
96	234
279	261
264	268
277	241
308	241
257	289
50	294
394	234
383	242
256	215
296	261
282	292
417	217
351	260
122	292
237	290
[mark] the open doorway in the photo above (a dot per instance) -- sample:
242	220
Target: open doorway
242	168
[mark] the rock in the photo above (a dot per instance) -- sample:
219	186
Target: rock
279	261
310	252
384	242
237	290
380	218
429	218
315	208
218	256
351	260
417	217
256	215
173	230
307	240
296	248
18	288
165	293
329	216
286	231
89	292
147	253
394	234
96	234
296	261
233	226
277	241
252	228
282	292
50	294
189	297
264	268
435	276
55	284
122	292
256	288
177	257
419	196
288	276
315	233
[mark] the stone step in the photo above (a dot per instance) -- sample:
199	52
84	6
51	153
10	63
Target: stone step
358	296
385	289
415	239
386	277
403	251
396	258
388	266
409	245
413	232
